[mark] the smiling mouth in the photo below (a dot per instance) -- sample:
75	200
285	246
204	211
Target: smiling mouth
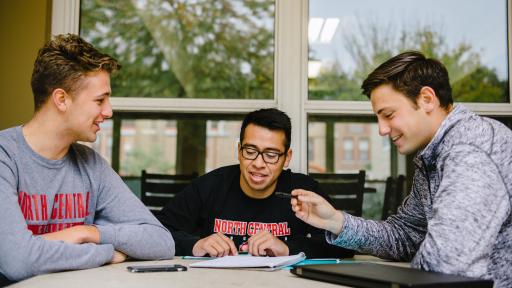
257	177
394	139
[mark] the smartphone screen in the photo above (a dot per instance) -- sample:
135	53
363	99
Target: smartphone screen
156	268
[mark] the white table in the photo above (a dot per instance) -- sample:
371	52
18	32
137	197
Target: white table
116	275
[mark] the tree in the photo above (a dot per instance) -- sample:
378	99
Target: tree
370	45
150	159
220	49
177	48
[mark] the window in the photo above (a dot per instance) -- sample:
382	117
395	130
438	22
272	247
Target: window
348	149
182	50
348	39
313	74
316	147
363	151
186	49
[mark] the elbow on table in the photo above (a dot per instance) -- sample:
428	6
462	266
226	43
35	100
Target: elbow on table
18	268
169	248
163	248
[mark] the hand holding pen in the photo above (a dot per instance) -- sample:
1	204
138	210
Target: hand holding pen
316	211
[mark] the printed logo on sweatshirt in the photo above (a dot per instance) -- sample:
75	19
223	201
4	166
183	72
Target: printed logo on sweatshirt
230	227
65	206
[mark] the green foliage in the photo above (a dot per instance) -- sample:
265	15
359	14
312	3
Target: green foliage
482	85
195	49
149	159
372	45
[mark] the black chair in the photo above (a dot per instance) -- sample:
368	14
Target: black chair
394	194
345	190
157	189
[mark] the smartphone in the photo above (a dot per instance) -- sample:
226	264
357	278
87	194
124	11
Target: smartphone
156	268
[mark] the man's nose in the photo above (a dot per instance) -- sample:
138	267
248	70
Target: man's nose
107	109
259	162
383	128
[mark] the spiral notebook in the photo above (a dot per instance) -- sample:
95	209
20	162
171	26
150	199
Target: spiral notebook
248	261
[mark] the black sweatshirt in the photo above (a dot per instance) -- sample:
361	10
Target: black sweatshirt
215	203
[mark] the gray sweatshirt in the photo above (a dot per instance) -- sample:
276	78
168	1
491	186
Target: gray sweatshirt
457	218
39	196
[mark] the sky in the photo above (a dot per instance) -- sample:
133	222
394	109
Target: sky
482	23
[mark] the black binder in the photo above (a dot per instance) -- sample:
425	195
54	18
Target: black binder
373	275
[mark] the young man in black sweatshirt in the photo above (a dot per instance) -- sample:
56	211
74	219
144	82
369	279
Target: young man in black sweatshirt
245	208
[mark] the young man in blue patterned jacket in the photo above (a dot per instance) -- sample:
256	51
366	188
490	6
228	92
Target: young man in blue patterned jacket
457	218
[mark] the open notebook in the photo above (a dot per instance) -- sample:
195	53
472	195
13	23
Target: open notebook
247	261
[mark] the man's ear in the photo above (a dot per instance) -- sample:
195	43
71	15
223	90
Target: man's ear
289	154
427	99
60	99
238	153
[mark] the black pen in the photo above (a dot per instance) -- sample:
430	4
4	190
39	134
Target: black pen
284	195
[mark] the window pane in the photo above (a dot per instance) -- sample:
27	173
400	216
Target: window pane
221	49
222	143
351	146
348	149
348	39
346	139
153	144
364	149
149	145
316	147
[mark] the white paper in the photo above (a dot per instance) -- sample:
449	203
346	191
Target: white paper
248	261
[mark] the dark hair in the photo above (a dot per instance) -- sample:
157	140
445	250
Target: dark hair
63	62
407	73
272	119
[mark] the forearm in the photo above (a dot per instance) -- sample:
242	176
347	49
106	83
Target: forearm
389	239
34	255
140	241
129	226
75	235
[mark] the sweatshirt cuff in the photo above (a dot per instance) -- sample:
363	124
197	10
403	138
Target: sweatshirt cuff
107	234
108	251
337	239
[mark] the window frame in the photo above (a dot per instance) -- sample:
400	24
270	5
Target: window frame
290	79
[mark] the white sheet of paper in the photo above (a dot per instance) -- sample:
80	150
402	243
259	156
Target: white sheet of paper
248	261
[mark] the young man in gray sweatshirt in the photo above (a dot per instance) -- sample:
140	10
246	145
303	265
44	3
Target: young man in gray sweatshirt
457	218
62	207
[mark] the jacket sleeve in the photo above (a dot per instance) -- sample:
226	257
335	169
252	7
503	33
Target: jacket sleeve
22	254
127	224
467	205
182	216
469	210
397	238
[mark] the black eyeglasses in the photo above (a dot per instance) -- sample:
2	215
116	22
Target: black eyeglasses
269	157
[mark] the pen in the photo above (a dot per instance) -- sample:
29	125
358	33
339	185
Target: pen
284	195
